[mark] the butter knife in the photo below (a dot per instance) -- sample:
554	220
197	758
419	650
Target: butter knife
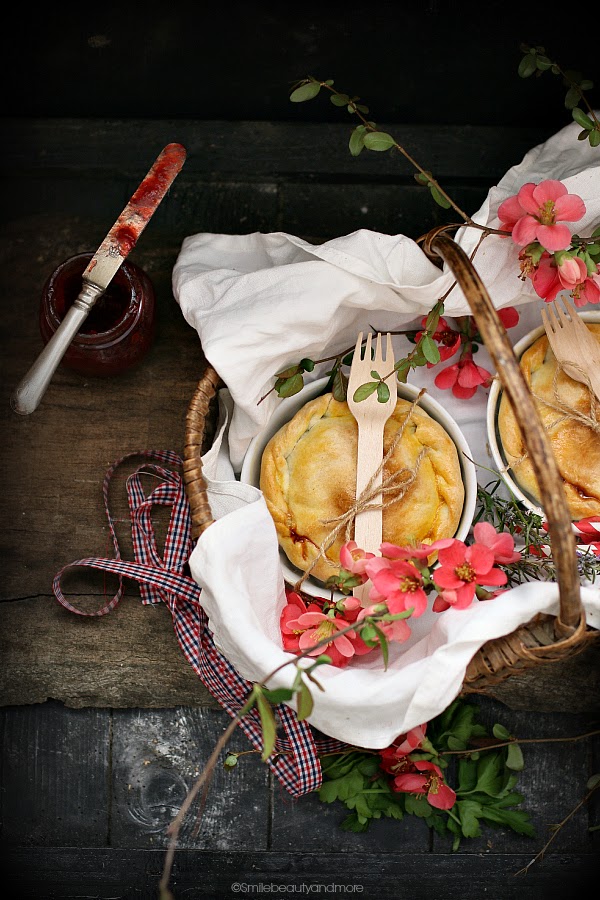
114	249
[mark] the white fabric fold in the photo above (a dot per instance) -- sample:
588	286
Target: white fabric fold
261	302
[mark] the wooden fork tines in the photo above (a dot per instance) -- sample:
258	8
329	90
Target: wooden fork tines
371	415
573	344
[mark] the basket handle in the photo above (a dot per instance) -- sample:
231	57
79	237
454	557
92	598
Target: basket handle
562	538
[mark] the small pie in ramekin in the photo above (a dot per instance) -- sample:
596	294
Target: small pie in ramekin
568	412
308	479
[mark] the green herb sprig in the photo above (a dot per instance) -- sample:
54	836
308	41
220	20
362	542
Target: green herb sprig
509	514
485	778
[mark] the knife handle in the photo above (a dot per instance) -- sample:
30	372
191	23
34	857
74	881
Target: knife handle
33	385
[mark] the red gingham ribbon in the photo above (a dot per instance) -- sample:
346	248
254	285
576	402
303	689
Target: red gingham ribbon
295	760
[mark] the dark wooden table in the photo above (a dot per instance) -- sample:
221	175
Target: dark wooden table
104	723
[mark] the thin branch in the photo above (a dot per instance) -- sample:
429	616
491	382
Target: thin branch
495	746
558	827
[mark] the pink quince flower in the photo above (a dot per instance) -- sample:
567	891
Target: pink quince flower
393	757
549	278
448	339
535	212
439	794
509	316
587	291
502	544
290	631
461	569
464	377
317	626
399	583
354	559
419	551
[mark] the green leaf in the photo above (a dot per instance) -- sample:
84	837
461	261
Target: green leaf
383	392
379	140
467	776
339	388
433	319
342	788
501	732
305	92
593	781
357	140
287	387
307	364
469	813
594	138
278	695
439	197
305	702
527	66
511	799
417	805
402	370
543	63
365	390
571	98
514	758
516	819
351	823
290	372
268	725
430	349
383	643
489	779
582	118
340	99
368	633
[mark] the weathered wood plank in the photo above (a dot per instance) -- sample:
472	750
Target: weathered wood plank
54	786
308	825
249	150
129	658
157	757
68	874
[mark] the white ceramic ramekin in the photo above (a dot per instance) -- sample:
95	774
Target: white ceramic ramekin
493	406
250	472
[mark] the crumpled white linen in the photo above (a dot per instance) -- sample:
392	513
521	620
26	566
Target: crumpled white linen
260	303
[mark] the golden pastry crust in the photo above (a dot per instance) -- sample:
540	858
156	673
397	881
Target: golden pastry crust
308	475
576	446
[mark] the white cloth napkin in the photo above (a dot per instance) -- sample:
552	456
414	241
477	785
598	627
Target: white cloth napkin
261	302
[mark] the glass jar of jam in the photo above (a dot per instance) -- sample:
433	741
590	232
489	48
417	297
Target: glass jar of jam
120	327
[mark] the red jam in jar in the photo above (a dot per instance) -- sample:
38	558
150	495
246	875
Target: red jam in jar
120	327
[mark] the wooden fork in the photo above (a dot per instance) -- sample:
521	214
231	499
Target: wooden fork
371	416
573	344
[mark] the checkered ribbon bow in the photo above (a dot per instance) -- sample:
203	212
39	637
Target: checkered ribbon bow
295	760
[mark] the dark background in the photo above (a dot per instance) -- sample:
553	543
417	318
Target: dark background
428	62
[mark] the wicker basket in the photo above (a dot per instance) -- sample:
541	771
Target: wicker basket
544	639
